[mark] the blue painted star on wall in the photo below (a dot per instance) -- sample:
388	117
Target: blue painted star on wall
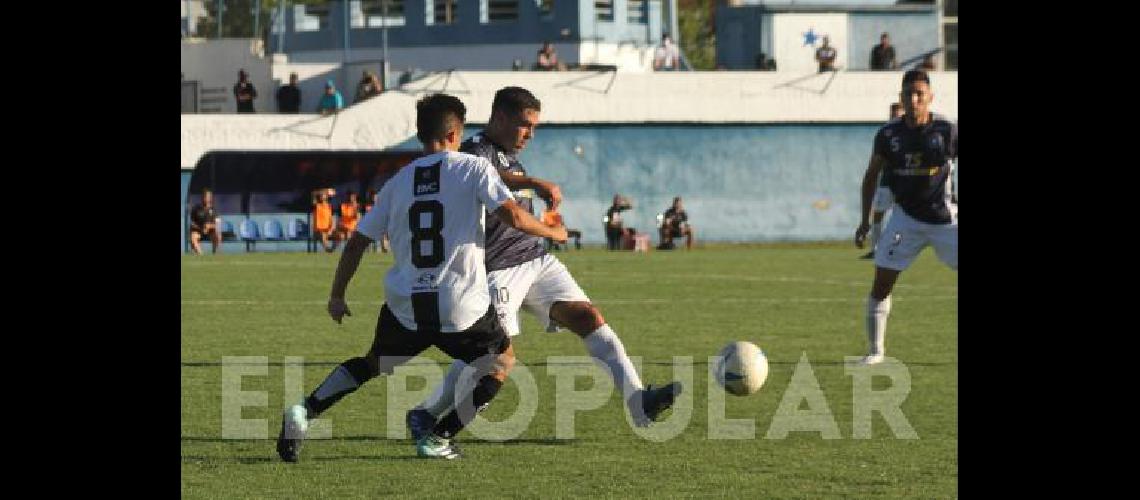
810	37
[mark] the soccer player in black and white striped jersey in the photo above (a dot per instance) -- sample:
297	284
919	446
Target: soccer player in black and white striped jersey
436	292
523	275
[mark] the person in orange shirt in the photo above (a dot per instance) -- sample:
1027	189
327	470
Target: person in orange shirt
349	216
323	221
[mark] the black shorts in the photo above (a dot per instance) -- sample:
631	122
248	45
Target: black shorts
395	344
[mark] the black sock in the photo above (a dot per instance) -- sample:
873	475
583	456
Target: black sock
344	379
457	419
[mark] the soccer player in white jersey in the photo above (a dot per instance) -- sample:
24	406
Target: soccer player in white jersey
523	275
916	156
883	197
436	291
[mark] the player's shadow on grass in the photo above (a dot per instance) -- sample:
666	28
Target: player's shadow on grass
509	442
200	364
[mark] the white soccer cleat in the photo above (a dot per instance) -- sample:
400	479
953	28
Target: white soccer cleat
871	359
294	424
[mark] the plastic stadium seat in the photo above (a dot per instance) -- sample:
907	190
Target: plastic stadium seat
272	230
297	230
248	233
227	228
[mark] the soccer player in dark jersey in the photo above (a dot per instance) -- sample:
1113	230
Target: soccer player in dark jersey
883	198
916	156
204	222
522	274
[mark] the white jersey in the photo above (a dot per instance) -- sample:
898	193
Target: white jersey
433	212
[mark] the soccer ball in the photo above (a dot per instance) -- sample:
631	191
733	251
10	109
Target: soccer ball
741	368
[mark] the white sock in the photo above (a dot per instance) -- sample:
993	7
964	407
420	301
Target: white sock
339	381
876	232
605	346
877	312
443	399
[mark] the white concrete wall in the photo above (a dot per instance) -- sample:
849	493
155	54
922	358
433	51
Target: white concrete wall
577	97
627	57
490	57
215	63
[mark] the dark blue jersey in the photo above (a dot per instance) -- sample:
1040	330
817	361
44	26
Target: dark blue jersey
919	163
506	246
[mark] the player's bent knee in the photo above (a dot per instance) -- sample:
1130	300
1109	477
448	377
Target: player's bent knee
580	317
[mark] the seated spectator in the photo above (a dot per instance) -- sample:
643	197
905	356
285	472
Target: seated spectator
613	224
204	221
289	96
349	216
548	59
883	55
554	219
368	87
675	223
331	102
667	57
323	221
826	56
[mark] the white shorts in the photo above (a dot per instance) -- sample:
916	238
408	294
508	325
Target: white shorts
535	285
883	199
904	237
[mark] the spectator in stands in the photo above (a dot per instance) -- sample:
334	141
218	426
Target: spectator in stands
554	219
368	87
349	216
244	93
883	55
765	63
289	96
323	221
675	223
613	224
204	221
667	57
826	56
548	59
331	102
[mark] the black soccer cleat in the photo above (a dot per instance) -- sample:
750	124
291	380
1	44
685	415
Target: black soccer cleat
653	401
870	255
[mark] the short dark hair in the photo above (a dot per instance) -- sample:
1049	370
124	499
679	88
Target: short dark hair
513	100
915	75
438	114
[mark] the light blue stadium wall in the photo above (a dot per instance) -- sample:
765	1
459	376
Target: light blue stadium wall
912	34
739	182
768	182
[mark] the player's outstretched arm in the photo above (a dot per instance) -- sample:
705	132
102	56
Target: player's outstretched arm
345	269
513	215
549	191
870	183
